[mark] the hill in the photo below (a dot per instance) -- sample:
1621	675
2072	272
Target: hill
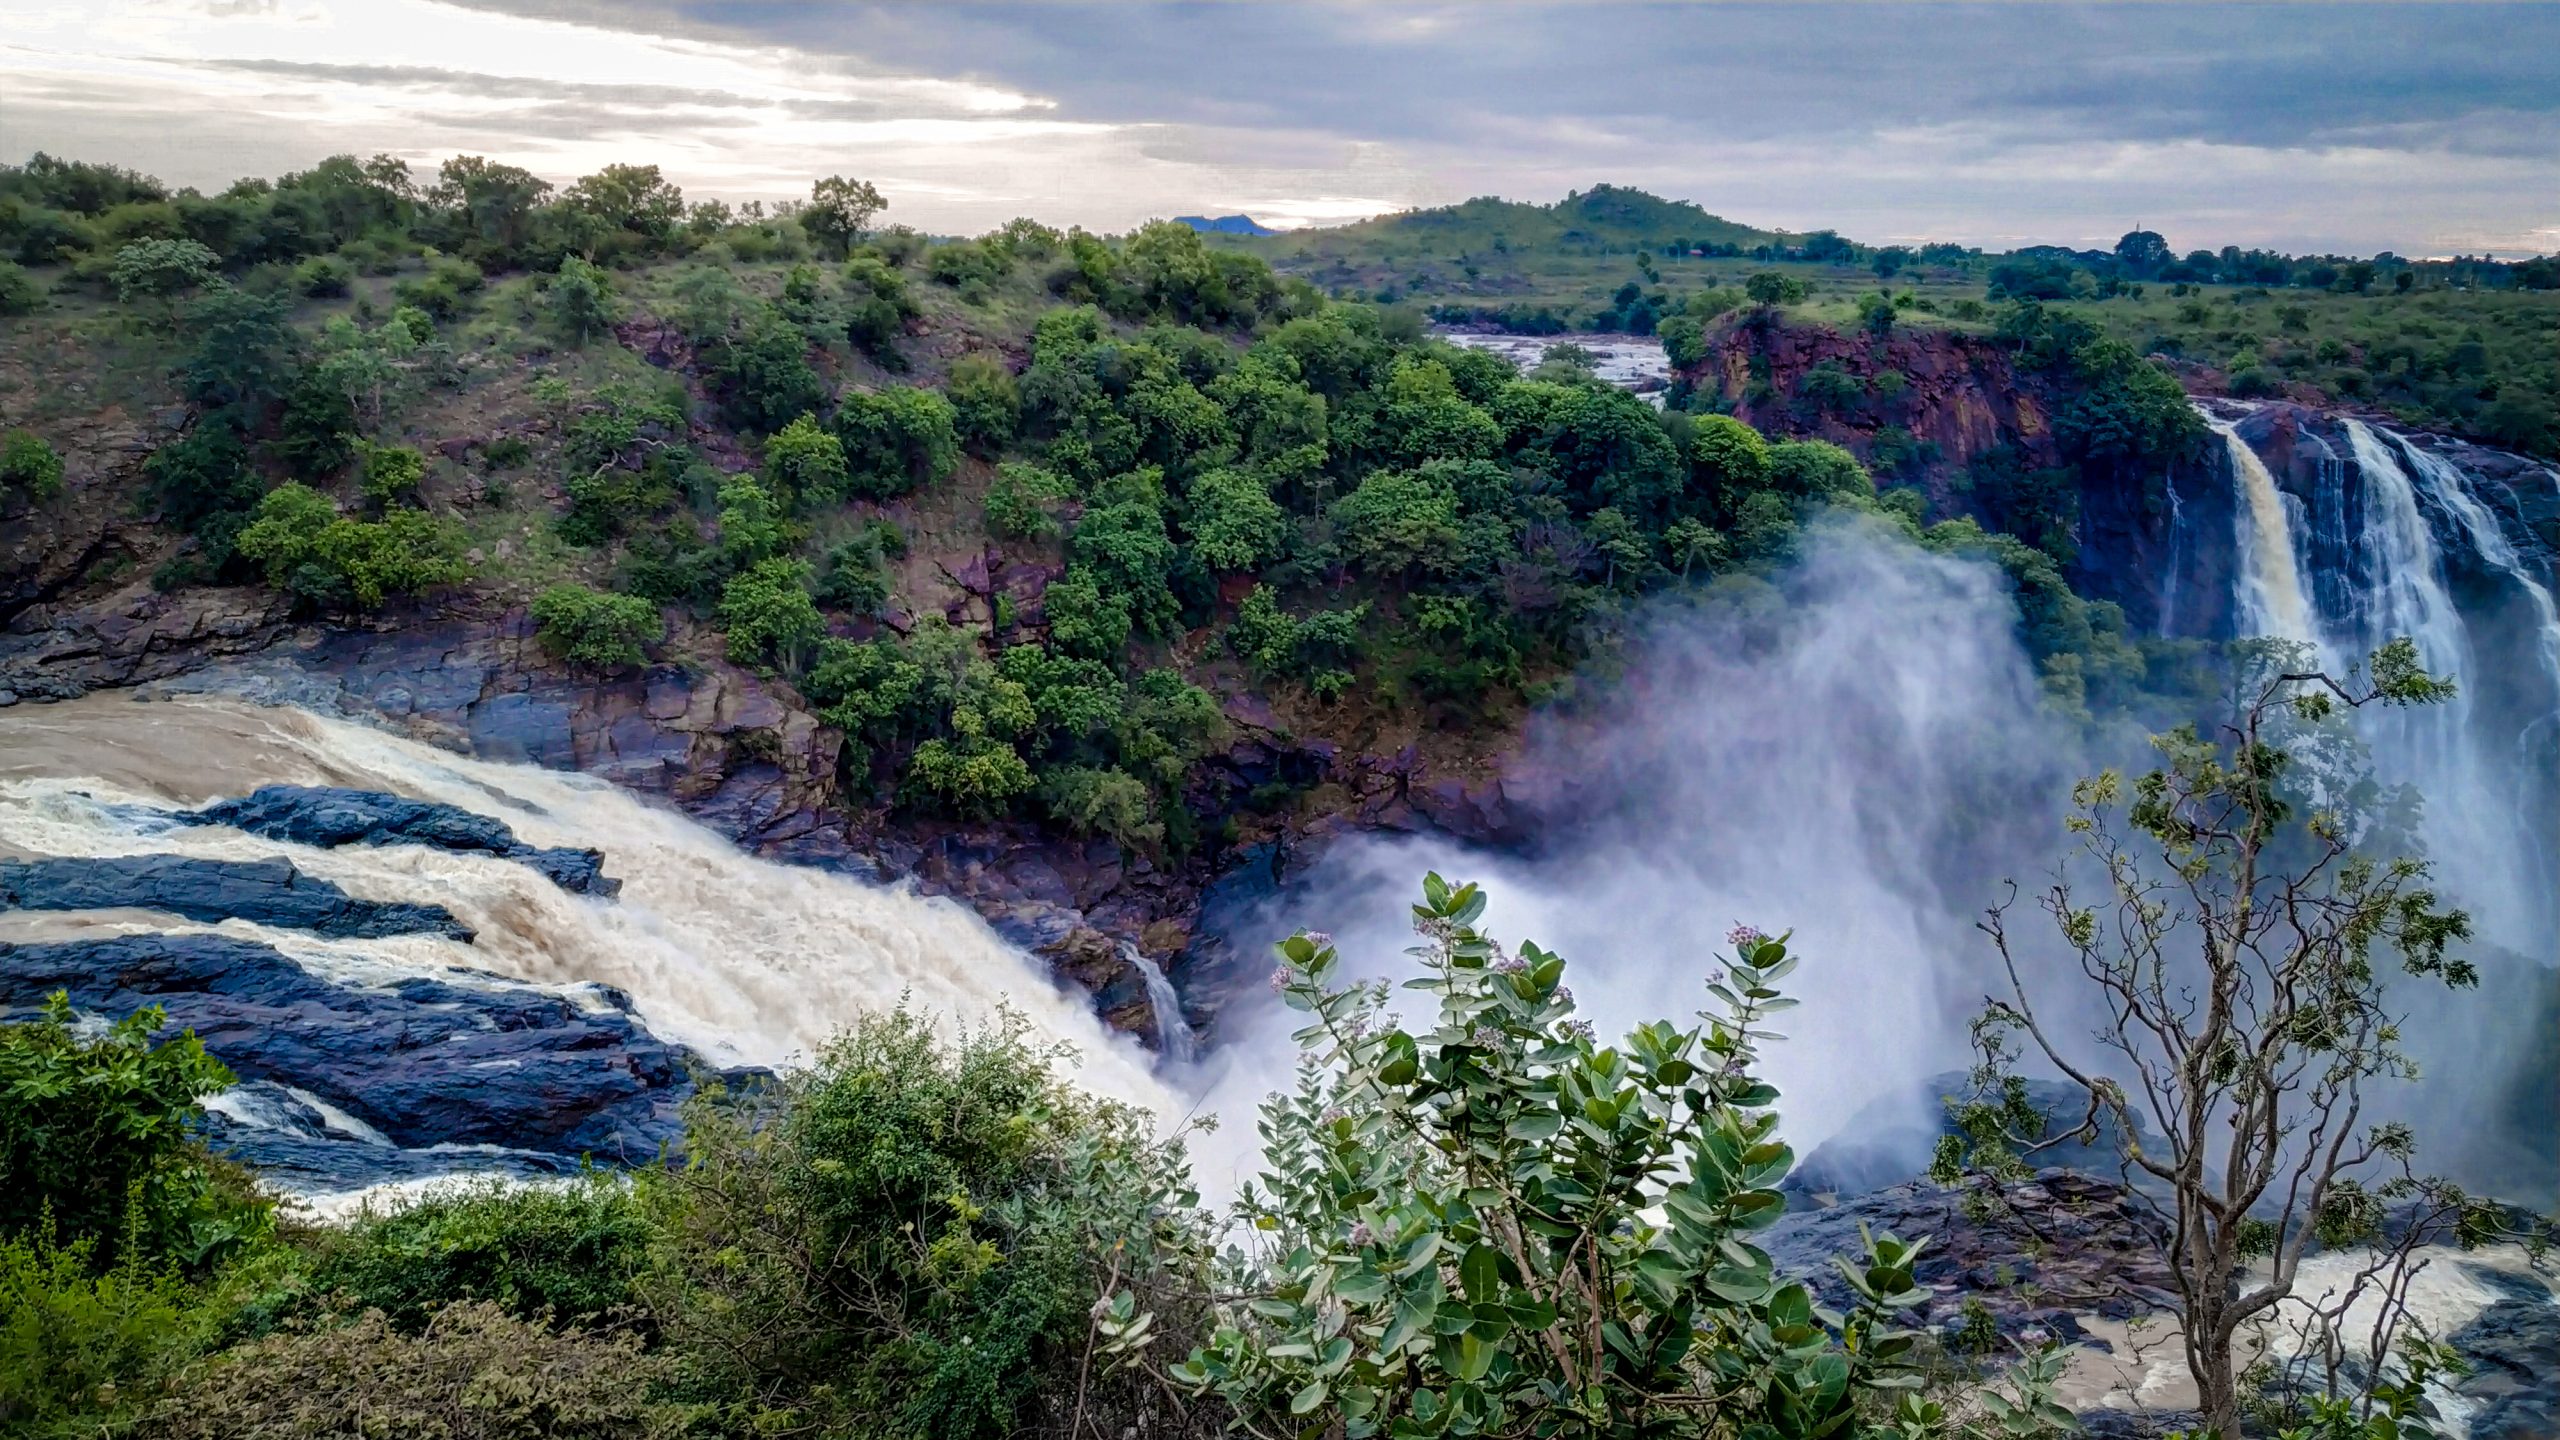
1225	225
1603	218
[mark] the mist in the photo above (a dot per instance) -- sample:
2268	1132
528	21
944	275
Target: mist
1856	752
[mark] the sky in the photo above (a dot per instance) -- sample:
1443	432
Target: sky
2425	129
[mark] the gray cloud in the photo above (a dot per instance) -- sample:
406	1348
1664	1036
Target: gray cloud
2419	128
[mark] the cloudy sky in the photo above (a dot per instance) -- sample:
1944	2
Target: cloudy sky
2425	129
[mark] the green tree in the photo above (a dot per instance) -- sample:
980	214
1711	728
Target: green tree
986	405
2232	944
241	350
1019	501
762	374
1233	522
19	293
804	463
579	300
1398	522
30	464
595	629
897	439
839	210
770	619
334	561
156	272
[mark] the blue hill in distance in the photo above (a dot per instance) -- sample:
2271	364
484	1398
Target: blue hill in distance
1225	225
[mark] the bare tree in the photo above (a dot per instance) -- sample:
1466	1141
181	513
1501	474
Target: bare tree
2227	919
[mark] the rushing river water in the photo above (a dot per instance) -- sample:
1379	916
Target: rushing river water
742	960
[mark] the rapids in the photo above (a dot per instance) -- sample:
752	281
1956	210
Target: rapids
744	961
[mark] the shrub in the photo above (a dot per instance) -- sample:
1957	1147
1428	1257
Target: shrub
906	1237
1019	501
19	293
762	374
392	473
1233	521
28	463
474	1373
329	560
96	1146
323	277
877	308
769	616
565	1251
579	301
986	405
75	1336
594	630
1590	1208
159	269
802	463
897	439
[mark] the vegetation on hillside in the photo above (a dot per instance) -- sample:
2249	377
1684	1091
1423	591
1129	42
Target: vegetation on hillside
1215	475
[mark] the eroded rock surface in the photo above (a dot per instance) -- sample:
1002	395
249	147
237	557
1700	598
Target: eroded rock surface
330	816
263	892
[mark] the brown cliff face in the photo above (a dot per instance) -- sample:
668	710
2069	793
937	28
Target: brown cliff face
1957	396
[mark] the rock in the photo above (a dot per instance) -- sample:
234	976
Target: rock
468	1061
264	892
2513	1348
2094	1248
328	816
1893	1139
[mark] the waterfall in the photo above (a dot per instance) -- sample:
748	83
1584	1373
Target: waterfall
1174	1039
744	960
2367	556
2271	597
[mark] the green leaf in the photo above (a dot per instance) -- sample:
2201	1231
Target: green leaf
1480	1274
1307	1399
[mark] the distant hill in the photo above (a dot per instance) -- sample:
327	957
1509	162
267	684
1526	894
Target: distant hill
1225	225
1603	214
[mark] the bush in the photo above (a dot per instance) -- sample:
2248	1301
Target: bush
1593	1206
323	277
897	439
762	374
1019	501
28	463
579	301
769	616
804	463
159	269
474	1373
328	560
19	293
594	630
75	1337
568	1252
986	405
96	1144
906	1238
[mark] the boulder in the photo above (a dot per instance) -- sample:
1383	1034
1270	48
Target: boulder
330	816
263	892
466	1060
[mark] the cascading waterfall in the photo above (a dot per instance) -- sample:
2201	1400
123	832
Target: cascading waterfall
2272	600
744	960
1174	1037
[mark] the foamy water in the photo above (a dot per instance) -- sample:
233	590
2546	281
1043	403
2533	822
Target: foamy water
745	960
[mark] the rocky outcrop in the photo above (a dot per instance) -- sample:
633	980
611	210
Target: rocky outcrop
469	1060
329	816
263	892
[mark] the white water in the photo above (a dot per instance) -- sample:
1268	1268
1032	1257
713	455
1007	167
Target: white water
2272	600
1174	1038
742	959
